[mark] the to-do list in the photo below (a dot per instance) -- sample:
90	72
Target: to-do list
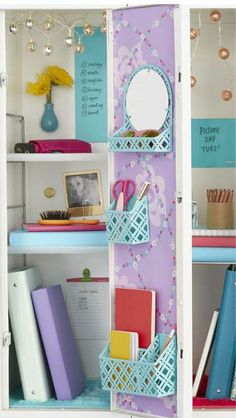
91	89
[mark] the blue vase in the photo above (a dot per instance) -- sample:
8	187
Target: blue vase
49	122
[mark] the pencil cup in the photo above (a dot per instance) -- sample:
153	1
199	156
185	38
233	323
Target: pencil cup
219	215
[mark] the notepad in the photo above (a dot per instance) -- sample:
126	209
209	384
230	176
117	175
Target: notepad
124	345
135	312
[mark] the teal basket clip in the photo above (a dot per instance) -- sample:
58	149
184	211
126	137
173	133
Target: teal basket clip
160	143
128	227
152	375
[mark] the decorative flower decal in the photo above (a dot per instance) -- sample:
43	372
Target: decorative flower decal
122	281
156	194
126	62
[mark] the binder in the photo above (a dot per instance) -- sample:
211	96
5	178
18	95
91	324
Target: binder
59	342
223	359
30	356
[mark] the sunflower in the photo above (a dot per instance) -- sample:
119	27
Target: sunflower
52	76
41	87
58	76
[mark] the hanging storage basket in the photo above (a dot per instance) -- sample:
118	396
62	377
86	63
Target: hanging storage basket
128	227
160	143
152	375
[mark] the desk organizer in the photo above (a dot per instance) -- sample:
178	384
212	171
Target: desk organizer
142	377
128	227
160	143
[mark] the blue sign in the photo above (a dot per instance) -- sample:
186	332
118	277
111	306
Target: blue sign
91	88
213	142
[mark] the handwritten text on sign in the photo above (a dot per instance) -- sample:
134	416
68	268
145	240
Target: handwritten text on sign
213	142
91	89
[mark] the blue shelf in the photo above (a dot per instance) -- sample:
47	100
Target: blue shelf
213	255
93	397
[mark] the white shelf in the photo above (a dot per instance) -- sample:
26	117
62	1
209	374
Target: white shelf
57	157
214	413
57	250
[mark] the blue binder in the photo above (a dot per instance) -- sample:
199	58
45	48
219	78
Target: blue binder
223	359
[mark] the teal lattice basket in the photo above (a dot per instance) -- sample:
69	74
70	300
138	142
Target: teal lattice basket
128	227
118	142
152	375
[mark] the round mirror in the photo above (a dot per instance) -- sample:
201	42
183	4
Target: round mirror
147	100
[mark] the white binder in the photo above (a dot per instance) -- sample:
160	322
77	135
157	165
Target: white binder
31	360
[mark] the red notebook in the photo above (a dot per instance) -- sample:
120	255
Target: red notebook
135	310
214	241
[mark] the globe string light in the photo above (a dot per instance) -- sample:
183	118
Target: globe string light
198	31
52	27
223	52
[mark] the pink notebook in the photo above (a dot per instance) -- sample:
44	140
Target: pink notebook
60	228
214	242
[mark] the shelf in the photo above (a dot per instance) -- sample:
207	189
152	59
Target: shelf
214	413
57	157
93	397
57	250
214	255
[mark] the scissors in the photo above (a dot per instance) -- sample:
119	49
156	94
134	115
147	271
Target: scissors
122	191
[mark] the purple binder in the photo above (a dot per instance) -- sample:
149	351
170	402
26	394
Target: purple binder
58	341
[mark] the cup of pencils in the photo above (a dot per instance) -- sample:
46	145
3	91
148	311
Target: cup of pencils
220	208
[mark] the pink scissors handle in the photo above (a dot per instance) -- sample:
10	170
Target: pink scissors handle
127	187
128	190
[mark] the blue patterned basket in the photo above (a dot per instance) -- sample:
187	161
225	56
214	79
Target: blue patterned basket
128	227
152	375
160	143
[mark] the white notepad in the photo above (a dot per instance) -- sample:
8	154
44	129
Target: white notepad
88	308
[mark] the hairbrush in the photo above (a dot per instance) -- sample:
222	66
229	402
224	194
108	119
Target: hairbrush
62	217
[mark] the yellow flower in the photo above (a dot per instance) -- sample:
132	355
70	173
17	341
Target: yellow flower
59	76
41	87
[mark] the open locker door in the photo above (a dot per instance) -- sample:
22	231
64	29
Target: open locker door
3	225
148	95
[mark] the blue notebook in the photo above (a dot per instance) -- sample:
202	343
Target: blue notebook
223	359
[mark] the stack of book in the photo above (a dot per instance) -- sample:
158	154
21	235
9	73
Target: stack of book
39	314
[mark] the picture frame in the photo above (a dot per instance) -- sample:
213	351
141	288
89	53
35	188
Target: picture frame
83	193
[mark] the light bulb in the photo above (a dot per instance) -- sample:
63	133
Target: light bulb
103	27
88	29
31	46
224	53
13	28
193	81
47	49
226	95
215	15
29	23
69	41
48	25
79	47
193	33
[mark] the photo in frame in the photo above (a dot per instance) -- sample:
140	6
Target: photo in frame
83	193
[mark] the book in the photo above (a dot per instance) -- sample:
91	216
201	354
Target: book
59	343
214	232
205	241
31	360
124	345
135	312
223	358
205	353
233	387
36	227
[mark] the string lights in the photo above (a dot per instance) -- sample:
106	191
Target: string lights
51	27
223	52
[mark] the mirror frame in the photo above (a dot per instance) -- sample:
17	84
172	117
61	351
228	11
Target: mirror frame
168	121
